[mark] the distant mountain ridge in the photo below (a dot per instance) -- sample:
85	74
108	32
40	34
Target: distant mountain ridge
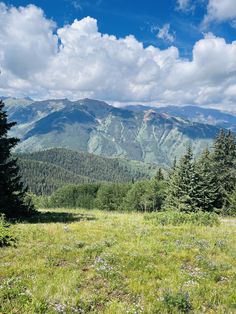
152	135
195	114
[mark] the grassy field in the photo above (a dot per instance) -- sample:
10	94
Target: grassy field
75	261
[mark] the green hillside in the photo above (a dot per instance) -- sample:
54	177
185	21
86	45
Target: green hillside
44	177
95	127
45	171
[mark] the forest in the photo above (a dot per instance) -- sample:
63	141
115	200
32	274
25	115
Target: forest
206	183
46	171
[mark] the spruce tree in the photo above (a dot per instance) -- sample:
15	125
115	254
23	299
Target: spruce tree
231	202
224	162
172	193
206	183
182	193
12	191
159	175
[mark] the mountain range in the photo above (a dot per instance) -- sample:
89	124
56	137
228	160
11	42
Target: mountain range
143	133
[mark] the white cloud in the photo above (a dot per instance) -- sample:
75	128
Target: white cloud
164	33
184	5
79	61
220	10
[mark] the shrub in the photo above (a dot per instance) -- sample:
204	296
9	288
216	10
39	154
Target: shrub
6	236
177	301
179	218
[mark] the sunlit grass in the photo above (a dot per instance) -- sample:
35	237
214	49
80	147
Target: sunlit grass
100	262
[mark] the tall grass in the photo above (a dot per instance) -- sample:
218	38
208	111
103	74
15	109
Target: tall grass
67	261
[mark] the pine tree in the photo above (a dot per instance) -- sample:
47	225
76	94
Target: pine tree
182	193
12	192
159	175
172	195
224	162
206	183
231	200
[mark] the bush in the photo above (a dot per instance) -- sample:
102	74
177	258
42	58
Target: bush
178	218
177	301
6	236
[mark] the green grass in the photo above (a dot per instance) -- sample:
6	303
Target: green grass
75	261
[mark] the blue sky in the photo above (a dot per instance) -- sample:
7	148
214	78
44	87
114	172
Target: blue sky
179	52
140	18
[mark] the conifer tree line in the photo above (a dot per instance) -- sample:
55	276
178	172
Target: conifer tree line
206	183
12	191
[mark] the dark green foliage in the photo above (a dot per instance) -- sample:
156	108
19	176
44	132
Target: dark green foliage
177	218
179	302
111	196
46	171
145	196
204	184
224	163
230	209
73	196
6	236
43	178
208	190
192	186
12	191
183	193
159	175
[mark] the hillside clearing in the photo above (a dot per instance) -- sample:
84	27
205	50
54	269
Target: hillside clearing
76	261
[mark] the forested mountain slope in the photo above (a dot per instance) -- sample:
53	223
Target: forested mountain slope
45	171
96	127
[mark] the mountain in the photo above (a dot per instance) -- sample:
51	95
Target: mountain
195	114
96	127
45	171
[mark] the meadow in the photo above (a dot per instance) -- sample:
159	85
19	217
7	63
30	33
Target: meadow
77	261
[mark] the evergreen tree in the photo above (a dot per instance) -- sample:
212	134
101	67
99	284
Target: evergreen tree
182	193
159	175
224	162
206	183
172	195
231	200
12	192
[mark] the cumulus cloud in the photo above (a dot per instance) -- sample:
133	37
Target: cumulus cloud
165	34
76	61
220	10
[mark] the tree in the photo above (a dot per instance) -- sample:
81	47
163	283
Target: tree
208	190
110	196
224	163
182	193
145	196
12	190
231	200
159	175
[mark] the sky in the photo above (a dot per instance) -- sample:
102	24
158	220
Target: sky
159	52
